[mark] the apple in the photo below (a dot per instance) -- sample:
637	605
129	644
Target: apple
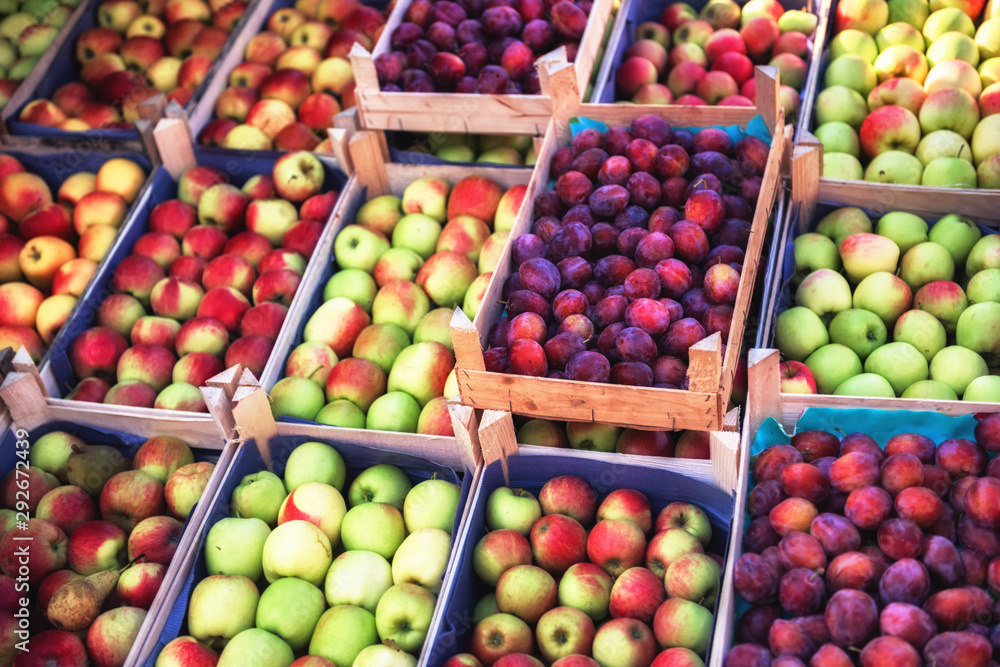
221	607
943	299
131	496
428	196
161	455
186	651
796	378
824	292
959	235
337	323
290	609
95	546
839	137
894	166
977	328
315	462
831	365
341	634
904	229
374	527
185	487
422	558
319	504
921	330
900	363
885	295
50	452
616	545
685	624
139	584
298	176
515	509
432	503
417	232
68	507
866	384
926	263
861	330
564	631
624	641
354	284
957	367
111	635
358	578
984	389
798	332
297	549
499	635
383	654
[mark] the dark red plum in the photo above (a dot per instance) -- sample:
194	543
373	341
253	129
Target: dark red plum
961	457
498	332
765	496
652	249
649	315
889	651
943	562
526	301
442	36
802	592
562	161
561	348
569	302
907	622
680	336
673	307
690	242
644	190
915	444
759	535
528	358
955	608
852	617
642	154
733	232
389	68
788	638
470	31
653	128
548	203
671	160
748	655
580	213
900	538
750	189
545	227
617	139
628	240
539	275
606	341
609	310
816	445
946	526
937	479
993	468
634	344
861	442
721	284
526	326
449	12
613	269
706	209
573	188
982	502
571	240
752	154
588	366
834	532
712	139
604	238
669	370
579	325
633	374
587	139
405	34
852	570
608	200
642	284
574	272
416	81
467	85
982	540
675	277
830	655
497	359
539	36
712	162
815	624
474	55
803	480
868	506
694	301
532	84
703	183
959	491
492	80
919	505
568	20
907	581
798	549
987	432
737	207
755	579
499	22
419	53
525	247
755	622
589	162
594	291
672	191
615	171
958	648
901	471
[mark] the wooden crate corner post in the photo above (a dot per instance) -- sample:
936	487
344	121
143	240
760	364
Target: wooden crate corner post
174	144
763	387
369	153
465	424
725	453
705	369
253	417
807	166
498	439
558	80
767	91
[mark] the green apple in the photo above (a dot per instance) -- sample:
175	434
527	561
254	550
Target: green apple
297	549
851	71
455	153
258	647
921	330
433	503
311	360
924	263
866	384
385	655
796	20
856	42
381	344
678	622
989	71
315	462
290	608
985	254
51	453
422	559
353	284
824	292
895	167
798	332
914	12
515	509
342	632
839	224
840	103
979	330
944	300
397	264
436	326
418	233
358	578
947	20
358	247
592	436
395	411
984	286
220	608
402	303
380	213
259	495
428	196
421	370
930	389
957	366
487	606
404	616
235	546
832	365
985	389
899	32
943	143
951	46
865	254
861	330
296	397
374	527
341	413
839	137
899	363
382	483
842	166
904	229
949	172
542	433
813	252
985	138
901	60
959	235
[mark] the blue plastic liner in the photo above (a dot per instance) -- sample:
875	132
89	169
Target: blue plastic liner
530	472
248	461
641	11
237	166
755	128
786	297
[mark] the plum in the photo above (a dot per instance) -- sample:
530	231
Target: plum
574	272
703	183
734	231
770	463
760	535
579	325
722	284
798	549
527	325
852	617
605	238
836	534
672	191
548	202
642	154
588	366
675	276
901	471
615	171
642	283
961	457
627	242
900	538
680	336
524	301
632	373
861	442
606	342
982	502
574	188
613	269
713	162
752	153
748	655
580	213
539	275
492	80
954	608
569	302
937	479
911	443
609	310
526	246
907	622
589	162
985	541
753	625
907	581
653	128
690	242
497	359
788	638
653	248
987	432
892	651
958	648
649	315
960	490
561	348
527	357
830	655
945	526
501	22
815	444
850	570
920	505
801	592
568	20
594	291
792	514
853	471
634	344
804	480
608	200
644	190
672	371
718	319
670	161
573	239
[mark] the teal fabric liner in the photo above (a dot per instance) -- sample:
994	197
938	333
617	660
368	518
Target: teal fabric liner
755	128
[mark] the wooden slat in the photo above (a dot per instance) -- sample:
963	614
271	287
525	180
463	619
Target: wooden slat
980	205
369	153
466	427
174	144
807	162
725	453
252	413
498	439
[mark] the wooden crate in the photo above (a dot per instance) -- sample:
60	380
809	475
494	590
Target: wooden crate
764	403
469	113
31	412
373	176
711	374
807	193
978	204
663	480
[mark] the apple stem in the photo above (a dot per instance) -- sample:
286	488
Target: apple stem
313	371
133	561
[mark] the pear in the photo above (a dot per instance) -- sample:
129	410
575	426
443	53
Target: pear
91	466
75	605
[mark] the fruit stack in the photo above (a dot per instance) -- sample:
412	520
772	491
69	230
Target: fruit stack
894	308
294	78
467	47
903	100
515	151
26	31
201	284
708	57
320	562
125	52
872	548
555	571
53	235
376	352
613	283
590	436
104	528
